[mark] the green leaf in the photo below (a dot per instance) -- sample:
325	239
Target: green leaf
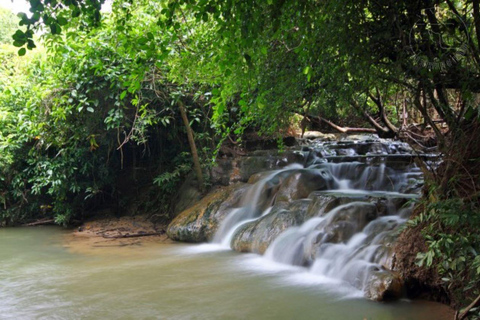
90	109
76	12
17	43
123	94
19	35
142	40
53	28
62	21
22	52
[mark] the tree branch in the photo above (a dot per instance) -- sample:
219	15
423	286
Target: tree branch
472	305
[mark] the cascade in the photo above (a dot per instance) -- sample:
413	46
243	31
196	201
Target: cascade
345	237
336	215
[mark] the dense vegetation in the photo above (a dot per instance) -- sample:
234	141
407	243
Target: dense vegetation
114	92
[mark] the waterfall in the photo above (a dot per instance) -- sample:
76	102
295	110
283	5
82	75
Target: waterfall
336	215
256	198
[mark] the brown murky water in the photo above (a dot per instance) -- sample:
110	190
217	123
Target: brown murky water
44	275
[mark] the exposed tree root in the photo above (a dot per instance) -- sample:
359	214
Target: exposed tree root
464	313
39	222
136	235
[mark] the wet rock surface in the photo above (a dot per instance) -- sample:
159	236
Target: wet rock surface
258	235
336	212
384	285
199	222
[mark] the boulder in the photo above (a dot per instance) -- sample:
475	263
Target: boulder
257	235
319	135
199	222
384	285
322	203
301	183
231	170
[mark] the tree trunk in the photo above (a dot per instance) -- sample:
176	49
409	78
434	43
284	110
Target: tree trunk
381	131
381	108
193	147
476	19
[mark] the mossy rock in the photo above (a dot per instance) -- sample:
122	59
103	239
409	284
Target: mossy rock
199	222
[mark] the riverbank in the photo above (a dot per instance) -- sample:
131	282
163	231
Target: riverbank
111	232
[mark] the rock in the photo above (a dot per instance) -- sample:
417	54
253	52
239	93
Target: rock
319	135
340	231
301	183
258	235
362	137
267	160
322	203
358	213
199	223
225	172
384	285
254	178
188	195
228	171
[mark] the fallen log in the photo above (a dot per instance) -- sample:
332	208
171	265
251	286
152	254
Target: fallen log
39	222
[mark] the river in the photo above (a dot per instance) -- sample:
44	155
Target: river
45	275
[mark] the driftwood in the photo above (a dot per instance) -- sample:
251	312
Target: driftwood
39	222
463	314
135	235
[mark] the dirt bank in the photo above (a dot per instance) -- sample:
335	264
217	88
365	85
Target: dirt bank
111	232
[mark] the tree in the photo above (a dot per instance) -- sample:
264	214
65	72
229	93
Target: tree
262	60
8	25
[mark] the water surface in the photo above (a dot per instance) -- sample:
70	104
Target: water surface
44	275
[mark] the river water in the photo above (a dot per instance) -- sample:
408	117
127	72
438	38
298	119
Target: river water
42	276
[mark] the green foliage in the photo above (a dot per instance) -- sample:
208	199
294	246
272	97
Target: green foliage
451	234
8	25
71	121
169	180
104	98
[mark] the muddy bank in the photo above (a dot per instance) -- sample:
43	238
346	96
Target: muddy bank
111	232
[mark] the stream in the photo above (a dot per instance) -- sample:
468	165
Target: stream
44	276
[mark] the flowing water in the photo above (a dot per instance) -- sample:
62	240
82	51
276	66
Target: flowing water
41	278
347	202
359	196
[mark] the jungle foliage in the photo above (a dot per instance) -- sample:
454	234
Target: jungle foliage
108	92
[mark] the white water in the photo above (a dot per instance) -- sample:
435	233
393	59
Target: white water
250	210
310	245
